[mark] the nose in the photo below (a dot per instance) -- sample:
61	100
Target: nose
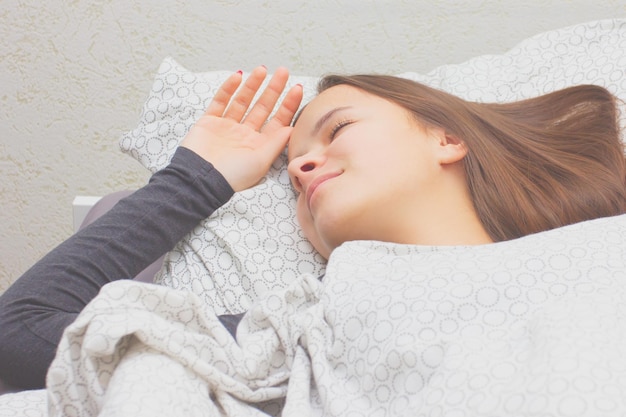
301	169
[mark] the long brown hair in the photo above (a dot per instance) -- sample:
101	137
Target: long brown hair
532	165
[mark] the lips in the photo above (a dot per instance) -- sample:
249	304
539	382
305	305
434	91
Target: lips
316	183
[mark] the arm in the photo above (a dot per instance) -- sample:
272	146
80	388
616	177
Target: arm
35	310
229	148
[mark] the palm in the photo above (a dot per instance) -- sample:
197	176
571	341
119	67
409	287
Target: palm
239	145
239	152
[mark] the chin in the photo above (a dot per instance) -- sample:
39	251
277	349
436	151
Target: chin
331	241
331	228
323	243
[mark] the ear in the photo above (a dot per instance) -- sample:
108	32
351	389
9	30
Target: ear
450	148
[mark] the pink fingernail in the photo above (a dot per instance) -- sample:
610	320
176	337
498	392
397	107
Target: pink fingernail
240	72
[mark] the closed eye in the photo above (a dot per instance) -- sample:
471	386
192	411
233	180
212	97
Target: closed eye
338	126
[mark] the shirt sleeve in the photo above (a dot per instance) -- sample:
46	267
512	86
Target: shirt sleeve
140	228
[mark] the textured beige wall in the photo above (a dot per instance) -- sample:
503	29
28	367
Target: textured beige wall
75	73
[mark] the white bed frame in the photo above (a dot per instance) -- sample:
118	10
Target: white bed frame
80	207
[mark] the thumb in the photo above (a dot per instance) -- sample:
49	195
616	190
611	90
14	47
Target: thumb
277	141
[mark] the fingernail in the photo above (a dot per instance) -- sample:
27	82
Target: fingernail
240	72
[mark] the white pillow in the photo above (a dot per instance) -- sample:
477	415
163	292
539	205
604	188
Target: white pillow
253	244
250	245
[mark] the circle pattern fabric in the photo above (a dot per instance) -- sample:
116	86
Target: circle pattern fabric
251	245
531	326
527	327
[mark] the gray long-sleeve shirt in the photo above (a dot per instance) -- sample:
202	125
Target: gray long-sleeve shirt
36	309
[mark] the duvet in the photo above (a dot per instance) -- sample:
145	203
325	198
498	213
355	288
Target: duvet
532	326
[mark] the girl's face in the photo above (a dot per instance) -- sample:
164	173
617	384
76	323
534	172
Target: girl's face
364	170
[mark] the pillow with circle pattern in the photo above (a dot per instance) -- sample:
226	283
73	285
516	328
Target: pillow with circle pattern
253	244
250	245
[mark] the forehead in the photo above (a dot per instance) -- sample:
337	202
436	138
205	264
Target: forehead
337	96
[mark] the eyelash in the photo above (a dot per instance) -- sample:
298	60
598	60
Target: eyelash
337	127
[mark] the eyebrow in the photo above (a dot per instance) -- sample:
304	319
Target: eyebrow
320	122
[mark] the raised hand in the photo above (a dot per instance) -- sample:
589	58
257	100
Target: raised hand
242	147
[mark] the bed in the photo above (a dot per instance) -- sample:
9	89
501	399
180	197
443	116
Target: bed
532	326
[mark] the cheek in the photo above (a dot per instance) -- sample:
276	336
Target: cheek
304	218
308	228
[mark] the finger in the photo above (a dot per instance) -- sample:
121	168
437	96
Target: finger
241	101
275	144
224	94
287	109
266	102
